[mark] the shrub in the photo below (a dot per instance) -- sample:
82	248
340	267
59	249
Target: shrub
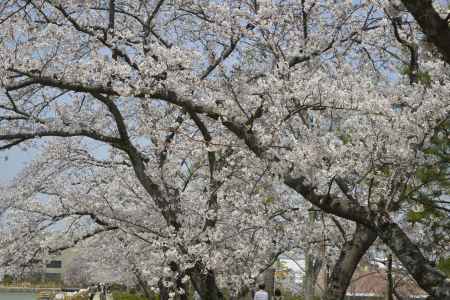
117	287
7	279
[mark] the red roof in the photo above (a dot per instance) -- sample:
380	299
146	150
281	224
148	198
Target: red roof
373	281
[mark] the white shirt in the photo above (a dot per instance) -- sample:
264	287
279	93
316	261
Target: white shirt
197	296
261	295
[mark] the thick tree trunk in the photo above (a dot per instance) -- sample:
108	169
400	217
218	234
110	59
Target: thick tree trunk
243	293
205	284
351	254
181	285
434	27
143	285
429	278
435	283
163	290
313	265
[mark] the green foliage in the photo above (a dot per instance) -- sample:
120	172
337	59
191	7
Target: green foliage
385	171
426	192
416	216
287	295
8	279
422	77
423	215
444	265
127	296
433	177
268	200
117	287
345	137
292	297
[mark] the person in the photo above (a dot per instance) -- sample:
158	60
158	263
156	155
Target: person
278	295
197	296
91	291
102	292
261	294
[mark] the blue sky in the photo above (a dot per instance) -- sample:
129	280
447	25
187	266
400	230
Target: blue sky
12	161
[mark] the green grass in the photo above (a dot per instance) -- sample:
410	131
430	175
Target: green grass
78	297
127	296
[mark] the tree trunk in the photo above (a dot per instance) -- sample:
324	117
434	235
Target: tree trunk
243	293
351	254
205	283
435	283
143	285
308	279
313	265
269	277
163	290
390	279
433	26
429	278
184	287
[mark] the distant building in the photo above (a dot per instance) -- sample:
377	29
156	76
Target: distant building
54	266
53	270
297	267
371	283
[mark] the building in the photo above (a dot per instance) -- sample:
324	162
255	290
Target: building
372	284
54	266
369	282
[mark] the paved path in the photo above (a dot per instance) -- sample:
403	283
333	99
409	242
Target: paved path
108	296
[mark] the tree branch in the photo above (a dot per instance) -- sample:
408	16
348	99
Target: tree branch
60	133
433	26
226	52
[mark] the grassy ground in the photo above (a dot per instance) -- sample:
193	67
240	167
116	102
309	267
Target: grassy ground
78	297
31	285
126	296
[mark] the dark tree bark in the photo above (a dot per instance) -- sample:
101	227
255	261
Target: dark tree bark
434	282
390	279
183	286
269	277
143	285
205	283
163	290
434	27
242	294
351	254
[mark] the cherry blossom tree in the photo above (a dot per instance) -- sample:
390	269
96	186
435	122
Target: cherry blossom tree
199	127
